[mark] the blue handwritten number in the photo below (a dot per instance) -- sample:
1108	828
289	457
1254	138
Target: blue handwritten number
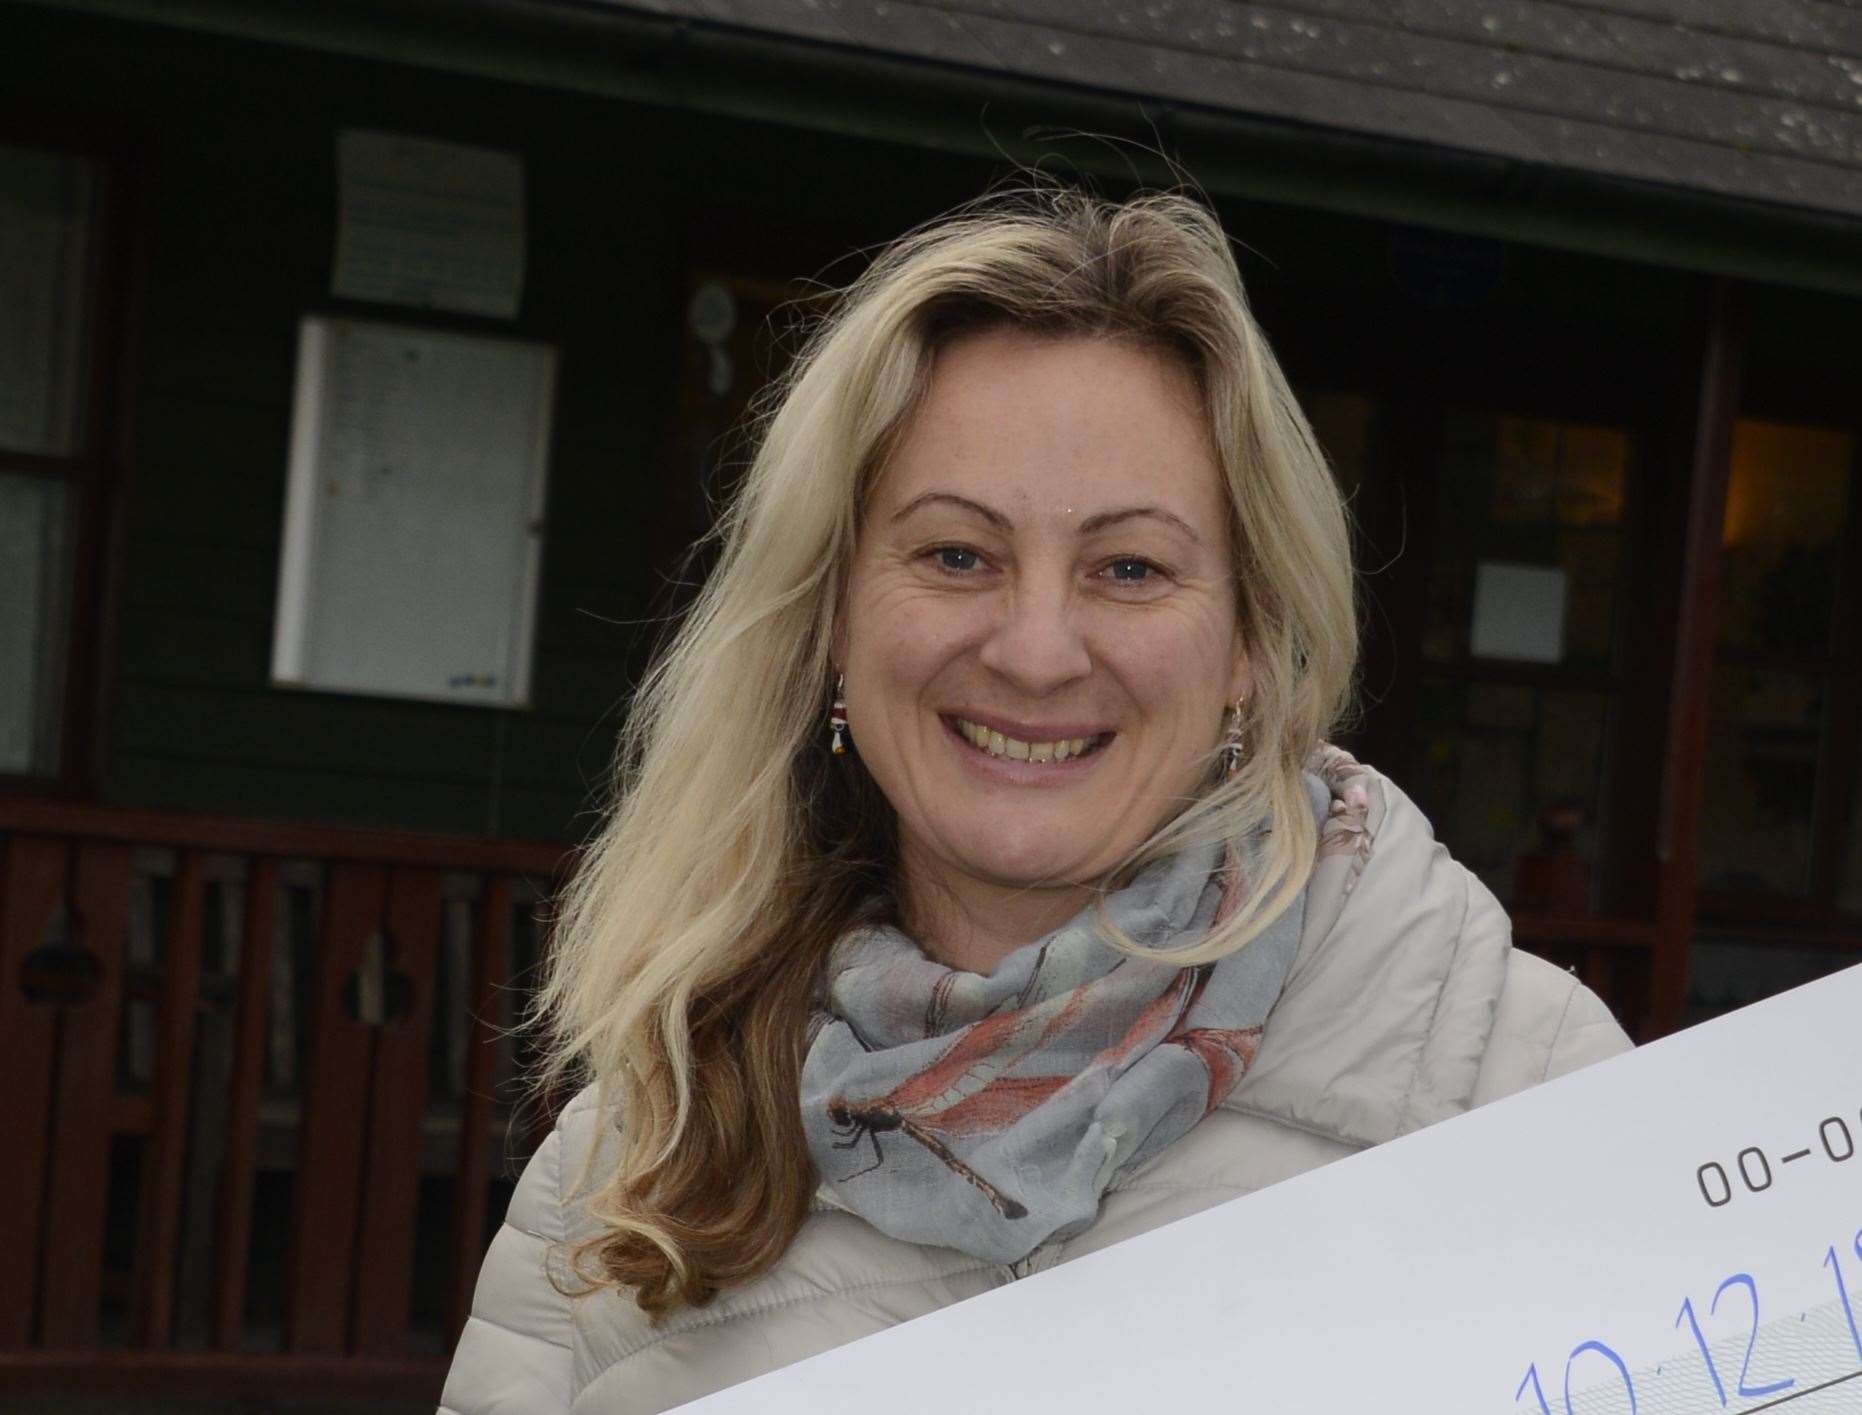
1532	1379
1830	1260
1601	1350
1752	1290
1687	1310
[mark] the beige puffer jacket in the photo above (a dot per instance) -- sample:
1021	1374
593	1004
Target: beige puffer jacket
1406	1005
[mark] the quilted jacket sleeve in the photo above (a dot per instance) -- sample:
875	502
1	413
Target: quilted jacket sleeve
515	1355
1546	1023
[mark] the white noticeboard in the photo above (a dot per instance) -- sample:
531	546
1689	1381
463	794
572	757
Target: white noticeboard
413	513
1677	1231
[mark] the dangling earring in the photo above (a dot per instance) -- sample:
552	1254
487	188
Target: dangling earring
1231	742
837	715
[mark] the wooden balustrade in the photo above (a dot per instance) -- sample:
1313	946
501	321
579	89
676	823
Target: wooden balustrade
235	1165
216	1031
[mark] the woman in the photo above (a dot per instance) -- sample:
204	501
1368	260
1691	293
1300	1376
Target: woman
979	890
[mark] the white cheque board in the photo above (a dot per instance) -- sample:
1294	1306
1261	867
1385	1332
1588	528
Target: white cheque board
1677	1231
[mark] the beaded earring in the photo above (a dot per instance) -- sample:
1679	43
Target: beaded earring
837	715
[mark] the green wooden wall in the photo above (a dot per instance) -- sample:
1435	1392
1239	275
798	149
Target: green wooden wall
243	190
621	196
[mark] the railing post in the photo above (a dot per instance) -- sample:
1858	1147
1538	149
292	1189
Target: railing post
77	1196
491	955
397	1101
332	1131
233	1236
152	1316
32	884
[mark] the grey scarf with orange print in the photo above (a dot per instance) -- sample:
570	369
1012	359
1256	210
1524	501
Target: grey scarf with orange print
988	1113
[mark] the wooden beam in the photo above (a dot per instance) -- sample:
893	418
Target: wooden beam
235	835
1697	631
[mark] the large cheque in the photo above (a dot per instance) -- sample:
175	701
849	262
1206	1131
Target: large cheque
1675	1230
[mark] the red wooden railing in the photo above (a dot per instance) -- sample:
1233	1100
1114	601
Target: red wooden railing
217	1030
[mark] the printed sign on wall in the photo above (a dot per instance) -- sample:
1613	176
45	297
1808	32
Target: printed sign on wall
436	225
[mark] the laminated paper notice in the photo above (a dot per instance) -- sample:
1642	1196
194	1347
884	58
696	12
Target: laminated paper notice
434	225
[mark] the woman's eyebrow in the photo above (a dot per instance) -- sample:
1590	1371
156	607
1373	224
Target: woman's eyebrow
988	513
1108	518
1096	522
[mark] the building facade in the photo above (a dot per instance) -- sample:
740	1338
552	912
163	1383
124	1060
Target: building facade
1573	296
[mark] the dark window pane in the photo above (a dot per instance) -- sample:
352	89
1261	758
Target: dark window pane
34	573
1513	779
1763	734
1528	540
1725	972
46	203
1849	882
1342	423
1785	508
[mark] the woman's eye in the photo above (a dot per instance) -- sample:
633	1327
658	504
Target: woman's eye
956	557
1131	570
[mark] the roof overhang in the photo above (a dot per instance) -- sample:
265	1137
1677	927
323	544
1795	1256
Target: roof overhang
756	75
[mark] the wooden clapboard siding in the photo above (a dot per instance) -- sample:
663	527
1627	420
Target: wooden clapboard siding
243	228
242	231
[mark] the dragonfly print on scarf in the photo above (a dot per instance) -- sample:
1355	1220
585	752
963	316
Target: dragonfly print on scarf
971	1089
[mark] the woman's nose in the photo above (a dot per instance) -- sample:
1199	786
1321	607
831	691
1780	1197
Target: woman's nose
1036	642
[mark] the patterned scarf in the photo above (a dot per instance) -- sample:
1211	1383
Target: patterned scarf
988	1113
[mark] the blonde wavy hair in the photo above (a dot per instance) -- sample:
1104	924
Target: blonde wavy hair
736	850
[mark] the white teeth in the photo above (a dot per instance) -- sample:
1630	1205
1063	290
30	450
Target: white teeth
997	745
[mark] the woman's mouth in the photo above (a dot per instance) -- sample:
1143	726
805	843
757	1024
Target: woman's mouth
997	744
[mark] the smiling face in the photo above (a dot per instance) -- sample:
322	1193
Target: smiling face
1039	633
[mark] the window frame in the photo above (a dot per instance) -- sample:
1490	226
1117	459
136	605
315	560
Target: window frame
1813	917
96	473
